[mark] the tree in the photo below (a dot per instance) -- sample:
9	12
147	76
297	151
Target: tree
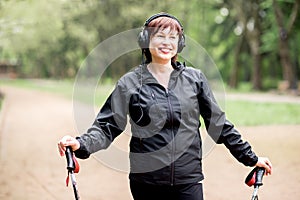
246	15
285	22
52	39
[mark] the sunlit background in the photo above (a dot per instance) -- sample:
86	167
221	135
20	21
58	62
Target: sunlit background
43	44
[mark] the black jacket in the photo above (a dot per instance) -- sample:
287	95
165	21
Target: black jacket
165	146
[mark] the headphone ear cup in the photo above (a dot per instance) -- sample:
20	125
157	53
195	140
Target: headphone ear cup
143	39
181	44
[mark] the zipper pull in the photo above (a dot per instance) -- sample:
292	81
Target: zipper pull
153	96
167	92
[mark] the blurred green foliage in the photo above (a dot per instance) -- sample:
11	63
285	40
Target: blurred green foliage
51	39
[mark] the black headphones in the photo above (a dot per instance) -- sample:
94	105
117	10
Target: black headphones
144	36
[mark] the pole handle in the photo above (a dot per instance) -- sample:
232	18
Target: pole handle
69	157
255	177
259	176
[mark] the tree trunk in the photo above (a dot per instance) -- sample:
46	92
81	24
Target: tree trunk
254	41
256	77
288	69
286	62
234	73
248	15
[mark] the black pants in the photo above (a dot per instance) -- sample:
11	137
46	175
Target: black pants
142	191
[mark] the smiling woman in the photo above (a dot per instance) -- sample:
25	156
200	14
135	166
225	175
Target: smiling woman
163	100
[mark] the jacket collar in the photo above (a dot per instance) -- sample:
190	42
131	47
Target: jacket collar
147	77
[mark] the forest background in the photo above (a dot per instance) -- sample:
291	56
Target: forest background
254	42
43	45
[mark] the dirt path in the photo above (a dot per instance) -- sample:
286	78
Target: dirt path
31	122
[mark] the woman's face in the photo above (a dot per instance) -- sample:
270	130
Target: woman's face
163	45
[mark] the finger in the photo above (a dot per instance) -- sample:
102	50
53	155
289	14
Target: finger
270	171
68	141
62	145
61	149
268	166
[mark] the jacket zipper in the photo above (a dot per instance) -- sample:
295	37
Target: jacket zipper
172	141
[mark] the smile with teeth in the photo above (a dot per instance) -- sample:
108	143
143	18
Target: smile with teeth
165	50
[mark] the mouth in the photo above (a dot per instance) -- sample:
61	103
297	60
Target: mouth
165	50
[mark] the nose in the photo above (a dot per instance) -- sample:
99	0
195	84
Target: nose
166	40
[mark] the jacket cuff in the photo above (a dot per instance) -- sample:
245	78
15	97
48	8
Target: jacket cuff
253	162
250	161
82	152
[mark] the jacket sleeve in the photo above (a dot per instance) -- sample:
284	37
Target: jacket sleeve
219	128
109	123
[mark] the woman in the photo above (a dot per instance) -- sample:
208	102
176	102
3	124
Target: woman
164	100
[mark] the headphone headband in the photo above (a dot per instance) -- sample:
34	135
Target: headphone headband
158	15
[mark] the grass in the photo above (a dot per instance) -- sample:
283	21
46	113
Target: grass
61	87
84	93
249	113
241	113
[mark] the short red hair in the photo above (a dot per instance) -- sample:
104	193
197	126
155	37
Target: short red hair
162	23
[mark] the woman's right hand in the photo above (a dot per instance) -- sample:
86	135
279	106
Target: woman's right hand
67	141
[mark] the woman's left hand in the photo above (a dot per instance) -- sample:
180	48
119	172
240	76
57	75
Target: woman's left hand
265	163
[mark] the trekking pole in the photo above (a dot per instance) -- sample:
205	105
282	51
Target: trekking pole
72	167
254	178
